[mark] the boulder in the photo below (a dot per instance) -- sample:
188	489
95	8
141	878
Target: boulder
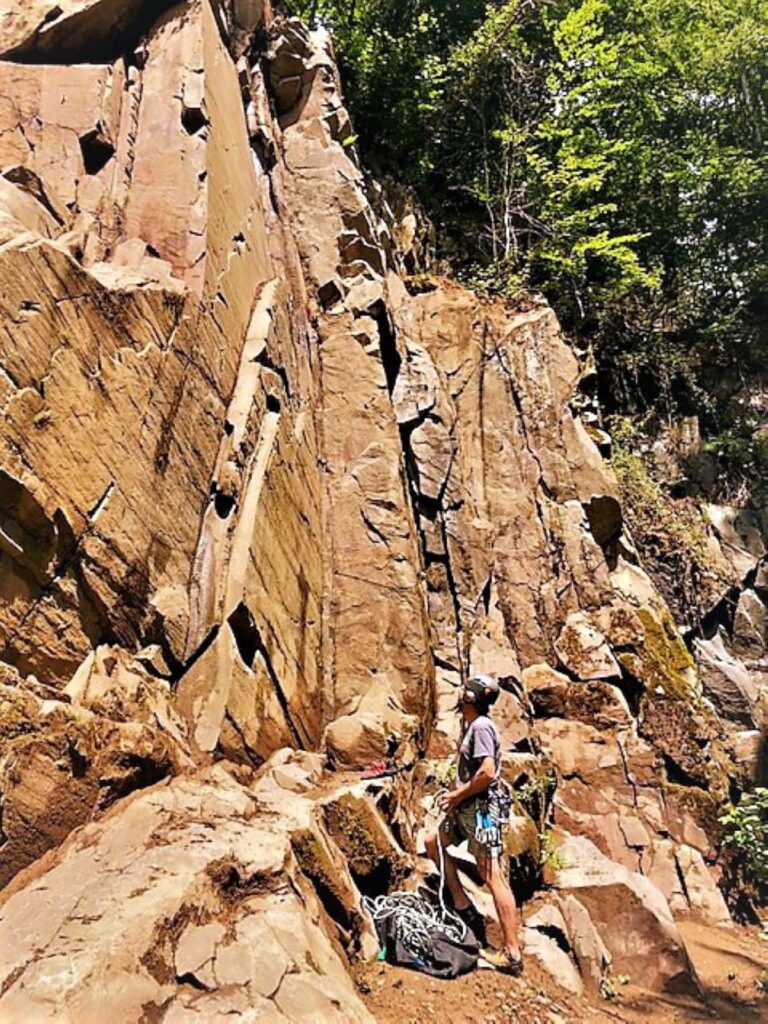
583	650
62	765
749	634
592	955
377	728
705	900
727	682
555	961
630	914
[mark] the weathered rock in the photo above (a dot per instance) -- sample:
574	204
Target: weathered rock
592	955
75	30
61	765
749	753
630	914
553	959
749	636
740	537
377	727
704	898
727	682
595	702
127	910
584	651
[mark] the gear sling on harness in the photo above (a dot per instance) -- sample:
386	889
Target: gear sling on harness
493	808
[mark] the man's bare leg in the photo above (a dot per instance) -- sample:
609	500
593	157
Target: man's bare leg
506	908
451	874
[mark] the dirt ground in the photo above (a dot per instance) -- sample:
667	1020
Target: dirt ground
729	963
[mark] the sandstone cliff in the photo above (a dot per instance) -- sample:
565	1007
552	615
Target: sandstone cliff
261	490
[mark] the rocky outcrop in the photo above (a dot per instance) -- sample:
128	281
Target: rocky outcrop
186	903
260	491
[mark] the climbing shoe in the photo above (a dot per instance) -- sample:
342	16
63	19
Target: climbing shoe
503	962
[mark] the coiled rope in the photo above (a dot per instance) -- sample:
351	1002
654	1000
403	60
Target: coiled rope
415	918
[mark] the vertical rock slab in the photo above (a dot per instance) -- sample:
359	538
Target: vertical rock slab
377	632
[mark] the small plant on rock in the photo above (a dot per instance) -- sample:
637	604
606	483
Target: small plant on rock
745	831
551	856
609	985
441	773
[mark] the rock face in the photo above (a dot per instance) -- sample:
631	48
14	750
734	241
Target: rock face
187	901
258	490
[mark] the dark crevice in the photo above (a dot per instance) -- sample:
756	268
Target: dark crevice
681	879
30	182
678	775
391	360
722	615
78	763
265	360
193	120
91	35
191	980
442	663
250	643
97	151
178	669
605	520
485	595
245	634
376	882
555	934
137	773
632	689
223	504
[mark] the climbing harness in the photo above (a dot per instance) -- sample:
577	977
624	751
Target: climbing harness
492	815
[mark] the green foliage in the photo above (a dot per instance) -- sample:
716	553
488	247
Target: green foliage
551	855
441	773
535	795
609	153
745	830
609	985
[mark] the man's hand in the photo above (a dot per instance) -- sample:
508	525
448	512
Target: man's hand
451	801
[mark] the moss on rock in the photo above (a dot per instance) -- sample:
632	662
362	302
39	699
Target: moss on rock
662	661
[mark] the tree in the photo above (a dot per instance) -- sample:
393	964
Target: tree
609	153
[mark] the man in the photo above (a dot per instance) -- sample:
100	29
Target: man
479	763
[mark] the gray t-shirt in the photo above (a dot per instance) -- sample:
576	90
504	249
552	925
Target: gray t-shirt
481	740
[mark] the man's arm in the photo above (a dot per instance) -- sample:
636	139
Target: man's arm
479	782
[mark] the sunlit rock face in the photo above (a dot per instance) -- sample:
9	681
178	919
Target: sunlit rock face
261	492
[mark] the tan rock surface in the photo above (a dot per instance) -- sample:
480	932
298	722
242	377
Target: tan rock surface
630	914
130	911
257	492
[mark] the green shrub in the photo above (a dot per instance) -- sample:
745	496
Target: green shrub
745	831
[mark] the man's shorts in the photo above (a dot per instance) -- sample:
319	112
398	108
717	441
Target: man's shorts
460	825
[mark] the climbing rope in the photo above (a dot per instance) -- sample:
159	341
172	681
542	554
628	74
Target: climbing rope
415	918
